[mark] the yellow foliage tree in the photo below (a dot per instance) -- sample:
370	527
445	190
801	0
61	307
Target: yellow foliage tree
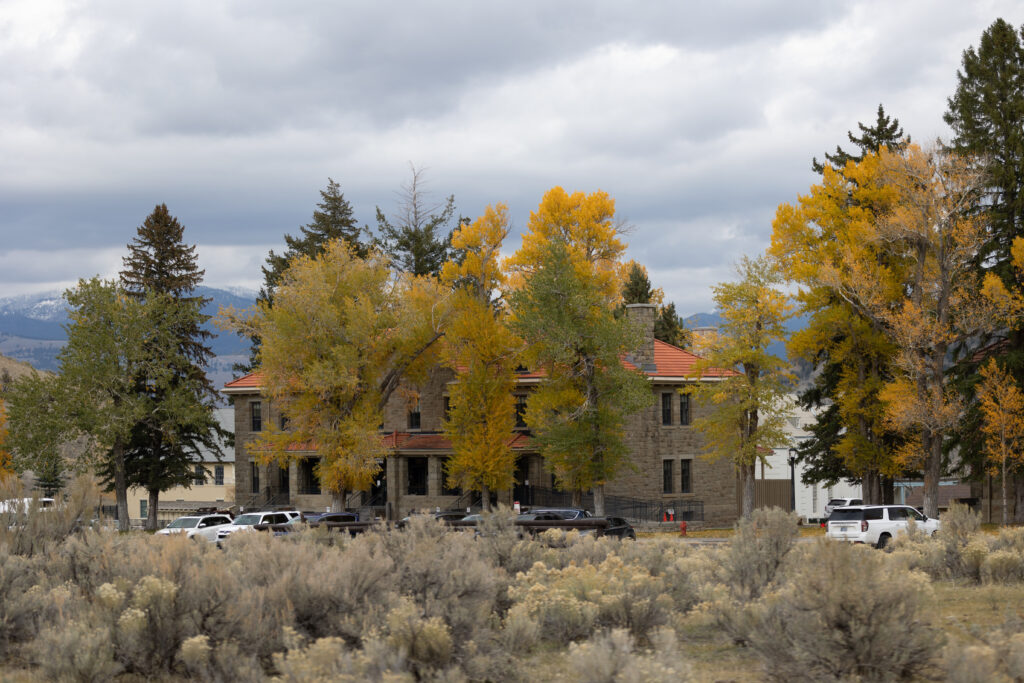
811	241
481	350
341	335
748	408
1002	409
585	224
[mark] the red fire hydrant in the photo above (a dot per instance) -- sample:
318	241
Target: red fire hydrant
682	528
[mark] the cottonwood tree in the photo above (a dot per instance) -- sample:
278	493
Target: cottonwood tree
417	237
341	335
333	219
931	231
161	455
810	243
481	349
1002	409
563	308
744	386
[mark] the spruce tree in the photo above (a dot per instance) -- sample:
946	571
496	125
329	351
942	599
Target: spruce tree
417	238
162	453
885	131
332	219
637	288
986	113
669	327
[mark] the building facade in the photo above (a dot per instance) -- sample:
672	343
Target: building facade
667	477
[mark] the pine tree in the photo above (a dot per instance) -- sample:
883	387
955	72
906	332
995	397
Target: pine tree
885	131
418	241
332	219
158	456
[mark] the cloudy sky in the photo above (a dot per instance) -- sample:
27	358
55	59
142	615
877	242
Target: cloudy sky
698	118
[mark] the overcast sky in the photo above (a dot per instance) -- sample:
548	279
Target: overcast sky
698	118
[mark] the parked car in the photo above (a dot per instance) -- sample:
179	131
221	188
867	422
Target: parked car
619	528
197	526
840	502
247	521
563	513
875	524
334	517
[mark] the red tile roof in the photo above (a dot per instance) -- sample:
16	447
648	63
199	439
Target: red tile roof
669	362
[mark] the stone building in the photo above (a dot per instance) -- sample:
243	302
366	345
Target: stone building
667	480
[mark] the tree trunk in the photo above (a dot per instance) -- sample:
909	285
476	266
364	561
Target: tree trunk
1018	508
888	490
747	477
120	487
577	498
1006	501
485	497
932	470
599	500
152	506
870	489
338	500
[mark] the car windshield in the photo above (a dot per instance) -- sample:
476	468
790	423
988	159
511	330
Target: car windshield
184	523
846	515
247	520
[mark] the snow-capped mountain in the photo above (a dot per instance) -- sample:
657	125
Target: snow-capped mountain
32	329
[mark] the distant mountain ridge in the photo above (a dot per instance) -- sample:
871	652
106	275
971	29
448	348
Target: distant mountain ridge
32	329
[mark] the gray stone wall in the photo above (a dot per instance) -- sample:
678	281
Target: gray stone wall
431	402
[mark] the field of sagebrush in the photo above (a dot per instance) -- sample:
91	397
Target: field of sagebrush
426	603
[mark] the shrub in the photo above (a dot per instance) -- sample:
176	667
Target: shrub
21	599
757	551
1003	566
76	650
40	529
845	614
330	659
611	658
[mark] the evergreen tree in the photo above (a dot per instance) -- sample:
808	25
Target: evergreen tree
986	113
158	455
418	240
669	327
637	288
332	219
885	131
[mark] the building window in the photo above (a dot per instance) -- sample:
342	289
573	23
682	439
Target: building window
685	476
256	416
447	401
218	475
520	411
666	409
255	477
666	477
414	416
417	476
283	422
198	476
144	509
684	409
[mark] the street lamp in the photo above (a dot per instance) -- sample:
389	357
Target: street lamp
792	479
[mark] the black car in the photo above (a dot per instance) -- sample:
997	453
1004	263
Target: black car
561	513
619	528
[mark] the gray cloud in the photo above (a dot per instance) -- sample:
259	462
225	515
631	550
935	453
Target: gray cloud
699	118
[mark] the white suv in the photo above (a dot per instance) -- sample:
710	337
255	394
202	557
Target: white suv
875	524
197	526
250	519
840	502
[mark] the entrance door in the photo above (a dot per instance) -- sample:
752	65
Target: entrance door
379	488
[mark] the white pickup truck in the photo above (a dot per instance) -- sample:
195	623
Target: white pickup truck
875	524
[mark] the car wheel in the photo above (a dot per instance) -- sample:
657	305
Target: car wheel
632	535
883	541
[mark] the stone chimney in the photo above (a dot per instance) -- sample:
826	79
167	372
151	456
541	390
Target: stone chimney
643	316
703	338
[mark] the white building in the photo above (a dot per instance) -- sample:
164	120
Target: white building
810	499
